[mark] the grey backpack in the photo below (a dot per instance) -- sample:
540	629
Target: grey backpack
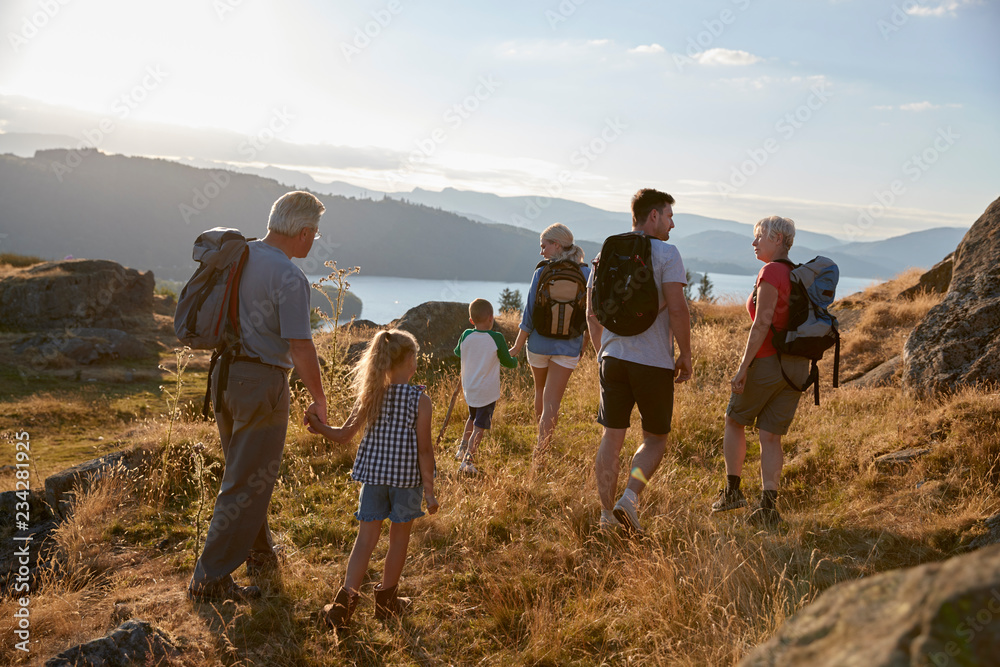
208	308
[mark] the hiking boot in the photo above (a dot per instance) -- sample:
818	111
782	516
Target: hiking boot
460	452
764	517
388	605
337	614
222	590
729	499
627	517
262	562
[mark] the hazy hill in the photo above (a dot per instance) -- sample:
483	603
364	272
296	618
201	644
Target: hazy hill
131	210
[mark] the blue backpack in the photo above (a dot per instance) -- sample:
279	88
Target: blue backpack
811	329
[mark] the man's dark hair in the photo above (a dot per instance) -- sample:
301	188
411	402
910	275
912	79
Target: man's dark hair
645	201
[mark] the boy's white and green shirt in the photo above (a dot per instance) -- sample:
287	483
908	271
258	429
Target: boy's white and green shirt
482	353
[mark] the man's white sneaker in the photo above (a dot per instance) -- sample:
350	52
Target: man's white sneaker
468	467
626	515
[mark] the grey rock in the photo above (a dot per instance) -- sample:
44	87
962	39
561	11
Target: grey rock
76	293
935	281
61	488
82	345
945	613
897	461
885	374
991	536
134	642
958	342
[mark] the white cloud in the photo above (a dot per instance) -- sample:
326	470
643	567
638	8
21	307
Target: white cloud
598	42
726	57
762	82
946	8
918	106
647	48
883	107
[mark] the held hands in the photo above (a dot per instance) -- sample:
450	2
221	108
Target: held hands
315	412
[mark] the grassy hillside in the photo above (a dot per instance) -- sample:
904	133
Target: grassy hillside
513	569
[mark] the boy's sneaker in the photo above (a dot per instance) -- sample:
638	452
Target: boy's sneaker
468	467
627	517
461	451
729	499
764	517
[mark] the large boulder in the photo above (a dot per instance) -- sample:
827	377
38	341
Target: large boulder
437	326
936	614
62	488
958	342
82	345
77	293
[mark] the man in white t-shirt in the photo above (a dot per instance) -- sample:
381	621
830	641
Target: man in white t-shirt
641	370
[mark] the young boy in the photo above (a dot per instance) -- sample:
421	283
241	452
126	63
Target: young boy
482	351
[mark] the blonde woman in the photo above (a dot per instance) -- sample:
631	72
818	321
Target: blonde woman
553	357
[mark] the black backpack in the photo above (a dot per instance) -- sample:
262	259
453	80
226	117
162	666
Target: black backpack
811	329
625	296
560	309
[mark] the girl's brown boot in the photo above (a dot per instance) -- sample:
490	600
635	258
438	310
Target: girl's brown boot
337	614
387	604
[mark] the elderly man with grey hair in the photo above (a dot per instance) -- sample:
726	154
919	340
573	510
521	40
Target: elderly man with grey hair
252	409
761	396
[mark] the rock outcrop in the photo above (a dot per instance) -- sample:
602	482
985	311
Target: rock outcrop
935	281
134	642
61	488
82	345
936	614
958	342
883	375
76	293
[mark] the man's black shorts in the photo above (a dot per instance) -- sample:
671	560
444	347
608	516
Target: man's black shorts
625	384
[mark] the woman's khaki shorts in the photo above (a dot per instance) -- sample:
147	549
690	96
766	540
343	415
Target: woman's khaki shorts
767	401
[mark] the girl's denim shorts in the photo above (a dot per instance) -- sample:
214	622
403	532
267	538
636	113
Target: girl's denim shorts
378	501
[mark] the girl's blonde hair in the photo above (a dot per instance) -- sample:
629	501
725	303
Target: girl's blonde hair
371	376
559	233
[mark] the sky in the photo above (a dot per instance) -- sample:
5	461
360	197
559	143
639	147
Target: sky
863	119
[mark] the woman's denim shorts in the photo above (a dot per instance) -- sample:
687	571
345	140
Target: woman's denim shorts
378	501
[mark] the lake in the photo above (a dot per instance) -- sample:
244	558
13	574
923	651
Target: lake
386	298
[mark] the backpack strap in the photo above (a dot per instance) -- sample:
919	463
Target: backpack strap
812	379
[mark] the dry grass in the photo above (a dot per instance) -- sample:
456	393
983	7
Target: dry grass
513	569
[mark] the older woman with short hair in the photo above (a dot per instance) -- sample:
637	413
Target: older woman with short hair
761	396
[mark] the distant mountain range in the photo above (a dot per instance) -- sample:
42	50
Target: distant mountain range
145	213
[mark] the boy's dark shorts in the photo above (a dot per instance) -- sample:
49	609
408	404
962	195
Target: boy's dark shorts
625	384
482	417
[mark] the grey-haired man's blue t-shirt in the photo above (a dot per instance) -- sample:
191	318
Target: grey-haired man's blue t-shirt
274	305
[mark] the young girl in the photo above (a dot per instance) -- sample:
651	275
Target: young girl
395	462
